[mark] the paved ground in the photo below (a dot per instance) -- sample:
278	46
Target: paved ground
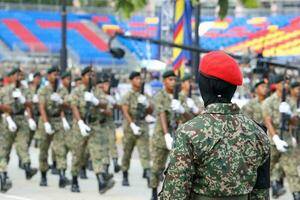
29	190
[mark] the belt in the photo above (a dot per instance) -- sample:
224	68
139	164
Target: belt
202	197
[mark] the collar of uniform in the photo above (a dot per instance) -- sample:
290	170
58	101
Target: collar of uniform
222	108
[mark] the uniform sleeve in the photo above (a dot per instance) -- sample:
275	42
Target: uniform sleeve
247	110
74	98
7	96
180	172
42	95
266	109
159	103
125	99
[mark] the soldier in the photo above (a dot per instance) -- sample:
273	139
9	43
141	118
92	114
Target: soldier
86	134
17	126
273	110
216	155
135	107
50	124
111	127
161	141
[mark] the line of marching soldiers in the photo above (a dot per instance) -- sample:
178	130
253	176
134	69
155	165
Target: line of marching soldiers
79	119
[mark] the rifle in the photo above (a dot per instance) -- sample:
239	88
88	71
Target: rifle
55	85
284	125
88	106
141	110
174	115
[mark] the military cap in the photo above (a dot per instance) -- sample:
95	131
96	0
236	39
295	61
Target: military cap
13	71
258	82
278	78
65	75
295	84
52	69
186	77
168	73
36	74
134	74
220	65
86	70
78	78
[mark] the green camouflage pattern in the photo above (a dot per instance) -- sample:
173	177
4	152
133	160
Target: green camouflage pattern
253	109
216	154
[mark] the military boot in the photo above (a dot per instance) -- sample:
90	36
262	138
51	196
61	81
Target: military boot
75	186
146	175
277	189
43	182
63	180
90	165
21	166
103	184
82	173
154	194
54	169
5	183
29	172
107	175
296	195
117	167
125	181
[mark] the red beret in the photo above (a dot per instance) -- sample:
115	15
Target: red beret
220	65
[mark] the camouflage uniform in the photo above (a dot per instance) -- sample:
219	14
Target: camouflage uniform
21	137
129	139
271	108
215	155
253	109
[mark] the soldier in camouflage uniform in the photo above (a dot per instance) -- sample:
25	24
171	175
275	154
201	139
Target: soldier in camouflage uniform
87	132
17	126
135	107
165	107
109	122
216	155
273	109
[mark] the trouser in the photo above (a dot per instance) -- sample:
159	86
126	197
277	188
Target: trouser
113	152
159	159
202	197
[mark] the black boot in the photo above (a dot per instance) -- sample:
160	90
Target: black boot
63	180
75	186
43	182
146	175
296	195
82	173
54	170
154	194
29	172
107	175
5	183
103	184
277	190
117	167
125	181
21	166
90	165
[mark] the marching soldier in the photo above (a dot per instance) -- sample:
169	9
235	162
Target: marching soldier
17	127
135	107
216	155
85	107
281	142
161	142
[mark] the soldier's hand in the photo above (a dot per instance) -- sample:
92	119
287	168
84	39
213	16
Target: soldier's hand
56	98
84	129
17	94
143	100
281	145
191	104
177	107
65	123
135	129
48	128
11	124
32	124
169	141
89	97
111	99
285	108
35	98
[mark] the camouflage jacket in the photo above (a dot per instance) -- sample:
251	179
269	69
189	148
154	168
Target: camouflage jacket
270	108
253	109
77	99
66	96
216	154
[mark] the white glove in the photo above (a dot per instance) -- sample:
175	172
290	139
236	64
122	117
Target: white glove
177	107
84	129
35	98
11	124
280	144
191	104
169	141
135	129
17	94
56	98
48	128
285	108
66	125
111	99
143	100
32	124
89	97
